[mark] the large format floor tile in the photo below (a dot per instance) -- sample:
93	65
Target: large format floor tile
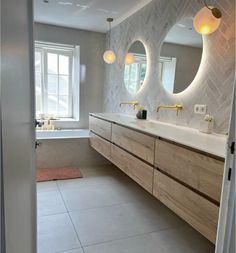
56	233
92	196
180	240
47	186
49	203
73	251
120	221
95	176
108	213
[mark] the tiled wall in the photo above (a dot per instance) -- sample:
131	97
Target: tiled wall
61	153
214	82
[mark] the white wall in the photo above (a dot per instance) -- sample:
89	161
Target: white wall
92	47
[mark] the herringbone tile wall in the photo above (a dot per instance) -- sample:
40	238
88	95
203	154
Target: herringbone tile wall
214	82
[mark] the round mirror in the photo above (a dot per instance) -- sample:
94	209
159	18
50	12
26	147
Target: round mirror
180	56
135	67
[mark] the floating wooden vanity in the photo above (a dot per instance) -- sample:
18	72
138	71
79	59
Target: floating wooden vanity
187	180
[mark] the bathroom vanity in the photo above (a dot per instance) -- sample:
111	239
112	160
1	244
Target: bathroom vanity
181	167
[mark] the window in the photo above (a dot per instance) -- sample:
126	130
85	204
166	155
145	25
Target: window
167	66
53	80
134	74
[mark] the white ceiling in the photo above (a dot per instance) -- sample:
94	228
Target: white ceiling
183	33
85	14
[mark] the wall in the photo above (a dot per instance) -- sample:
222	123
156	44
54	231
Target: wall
92	65
214	82
63	153
187	63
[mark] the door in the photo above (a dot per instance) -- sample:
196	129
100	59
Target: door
18	137
226	229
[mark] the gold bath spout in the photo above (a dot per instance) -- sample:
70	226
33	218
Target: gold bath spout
178	107
133	103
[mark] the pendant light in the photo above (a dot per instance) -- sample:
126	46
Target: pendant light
129	58
109	56
207	20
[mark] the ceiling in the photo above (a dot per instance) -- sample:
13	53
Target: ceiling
183	33
85	14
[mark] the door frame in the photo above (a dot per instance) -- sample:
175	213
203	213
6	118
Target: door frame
226	224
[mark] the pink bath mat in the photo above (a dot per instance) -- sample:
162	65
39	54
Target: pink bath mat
58	174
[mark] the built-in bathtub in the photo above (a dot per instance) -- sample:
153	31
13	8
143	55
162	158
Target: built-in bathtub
62	134
66	148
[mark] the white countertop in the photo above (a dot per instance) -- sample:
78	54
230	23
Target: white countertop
214	144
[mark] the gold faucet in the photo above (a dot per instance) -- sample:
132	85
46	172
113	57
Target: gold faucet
134	103
178	107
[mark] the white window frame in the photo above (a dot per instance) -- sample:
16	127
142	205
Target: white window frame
66	50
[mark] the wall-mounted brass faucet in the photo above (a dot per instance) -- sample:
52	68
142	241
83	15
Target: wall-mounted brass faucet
177	107
133	103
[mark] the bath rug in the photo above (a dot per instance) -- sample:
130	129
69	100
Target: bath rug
57	174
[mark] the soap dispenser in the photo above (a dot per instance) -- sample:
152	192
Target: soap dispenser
142	113
207	124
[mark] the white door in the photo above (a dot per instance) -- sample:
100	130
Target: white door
18	135
226	229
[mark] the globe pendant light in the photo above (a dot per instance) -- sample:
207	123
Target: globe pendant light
207	20
129	59
109	56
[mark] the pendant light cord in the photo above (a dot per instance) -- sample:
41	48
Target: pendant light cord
204	2
109	20
109	41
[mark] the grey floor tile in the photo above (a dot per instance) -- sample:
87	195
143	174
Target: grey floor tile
47	186
181	240
73	251
95	176
120	221
92	196
56	233
49	203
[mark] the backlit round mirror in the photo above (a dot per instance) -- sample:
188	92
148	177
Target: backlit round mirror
135	67
180	56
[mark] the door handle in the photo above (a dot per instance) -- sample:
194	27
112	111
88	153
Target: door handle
38	123
37	144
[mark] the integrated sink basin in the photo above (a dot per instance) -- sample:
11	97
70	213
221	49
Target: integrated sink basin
214	144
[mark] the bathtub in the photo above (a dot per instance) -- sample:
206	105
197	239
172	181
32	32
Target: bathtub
66	148
62	134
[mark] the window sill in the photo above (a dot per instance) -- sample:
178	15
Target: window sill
66	123
66	120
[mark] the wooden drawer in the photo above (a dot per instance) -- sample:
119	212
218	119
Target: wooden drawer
100	127
100	145
199	171
194	209
139	171
139	144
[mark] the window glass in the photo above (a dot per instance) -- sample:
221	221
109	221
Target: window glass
53	87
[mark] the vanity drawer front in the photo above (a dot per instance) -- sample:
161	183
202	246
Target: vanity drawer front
199	171
139	171
193	208
100	127
100	145
139	144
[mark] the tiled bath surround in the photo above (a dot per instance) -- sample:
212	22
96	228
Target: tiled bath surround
61	153
214	82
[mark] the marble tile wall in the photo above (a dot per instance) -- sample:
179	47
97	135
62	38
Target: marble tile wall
214	82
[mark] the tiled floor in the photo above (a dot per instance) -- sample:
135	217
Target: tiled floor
106	212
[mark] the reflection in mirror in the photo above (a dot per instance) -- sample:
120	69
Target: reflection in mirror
135	67
180	56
